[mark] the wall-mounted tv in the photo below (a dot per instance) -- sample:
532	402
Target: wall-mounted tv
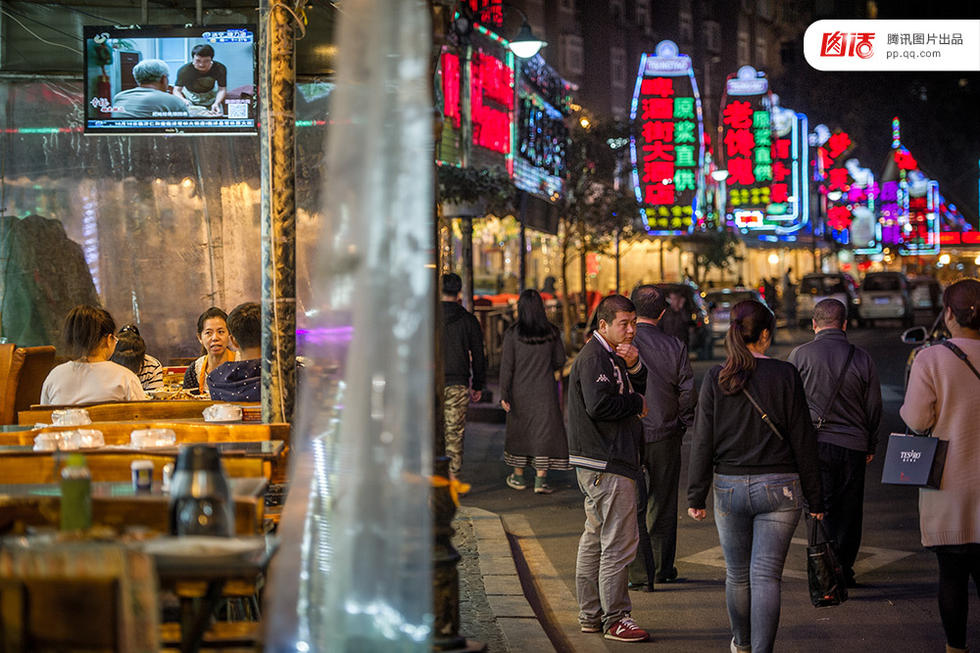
171	80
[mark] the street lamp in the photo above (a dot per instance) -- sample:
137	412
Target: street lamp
525	45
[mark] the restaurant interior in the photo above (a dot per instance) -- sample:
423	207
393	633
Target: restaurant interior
185	522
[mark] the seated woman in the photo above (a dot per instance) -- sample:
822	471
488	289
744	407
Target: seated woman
131	354
90	335
212	332
241	380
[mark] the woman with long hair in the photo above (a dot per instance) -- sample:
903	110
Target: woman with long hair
941	396
754	443
212	332
90	337
532	353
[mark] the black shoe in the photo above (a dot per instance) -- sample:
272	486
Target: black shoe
641	587
671	579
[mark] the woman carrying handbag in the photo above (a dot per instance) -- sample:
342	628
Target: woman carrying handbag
754	443
941	395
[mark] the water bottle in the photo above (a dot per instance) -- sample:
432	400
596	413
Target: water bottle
76	494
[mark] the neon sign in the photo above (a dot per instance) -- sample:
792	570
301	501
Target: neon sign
492	89
667	141
789	195
747	144
542	137
919	197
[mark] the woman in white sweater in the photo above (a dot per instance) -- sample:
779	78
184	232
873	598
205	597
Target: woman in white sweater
90	335
941	396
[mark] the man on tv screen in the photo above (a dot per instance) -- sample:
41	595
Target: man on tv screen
150	99
202	82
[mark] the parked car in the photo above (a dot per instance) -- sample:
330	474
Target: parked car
923	337
720	304
884	296
926	294
816	287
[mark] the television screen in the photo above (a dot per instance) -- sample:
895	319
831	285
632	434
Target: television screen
171	80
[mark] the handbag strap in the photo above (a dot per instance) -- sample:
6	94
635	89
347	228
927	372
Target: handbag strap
961	355
833	397
763	414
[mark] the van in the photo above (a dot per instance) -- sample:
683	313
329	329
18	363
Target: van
884	296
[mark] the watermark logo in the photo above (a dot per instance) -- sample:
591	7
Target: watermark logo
844	44
905	45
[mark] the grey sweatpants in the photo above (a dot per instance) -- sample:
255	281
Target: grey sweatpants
607	546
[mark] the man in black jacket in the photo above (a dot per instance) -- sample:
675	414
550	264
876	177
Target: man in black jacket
846	420
605	400
670	403
464	365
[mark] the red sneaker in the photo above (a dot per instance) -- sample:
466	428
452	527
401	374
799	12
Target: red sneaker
626	630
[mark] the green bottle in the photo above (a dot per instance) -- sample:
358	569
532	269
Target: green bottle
76	494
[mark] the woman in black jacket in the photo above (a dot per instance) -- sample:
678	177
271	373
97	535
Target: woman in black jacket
762	470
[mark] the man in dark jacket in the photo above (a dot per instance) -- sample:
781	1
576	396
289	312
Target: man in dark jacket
605	399
464	367
670	403
675	321
846	420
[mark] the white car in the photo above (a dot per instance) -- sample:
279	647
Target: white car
814	288
720	304
885	296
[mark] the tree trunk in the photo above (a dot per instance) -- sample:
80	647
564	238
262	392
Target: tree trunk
566	304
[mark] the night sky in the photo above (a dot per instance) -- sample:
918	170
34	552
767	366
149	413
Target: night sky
939	111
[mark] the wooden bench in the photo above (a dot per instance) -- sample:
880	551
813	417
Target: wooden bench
125	411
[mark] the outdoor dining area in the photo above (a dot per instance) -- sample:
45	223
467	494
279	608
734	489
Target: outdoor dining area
134	526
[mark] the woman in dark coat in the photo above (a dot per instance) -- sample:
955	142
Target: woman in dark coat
532	353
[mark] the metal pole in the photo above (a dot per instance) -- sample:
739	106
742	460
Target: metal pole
522	258
618	281
277	135
466	226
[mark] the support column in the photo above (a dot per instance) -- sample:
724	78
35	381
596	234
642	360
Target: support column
277	135
466	246
522	272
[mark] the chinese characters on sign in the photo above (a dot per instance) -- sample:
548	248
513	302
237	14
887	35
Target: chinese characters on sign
666	141
492	97
747	146
844	44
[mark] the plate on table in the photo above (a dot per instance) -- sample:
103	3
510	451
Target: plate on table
203	549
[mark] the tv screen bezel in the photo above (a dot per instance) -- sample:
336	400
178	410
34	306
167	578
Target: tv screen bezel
161	31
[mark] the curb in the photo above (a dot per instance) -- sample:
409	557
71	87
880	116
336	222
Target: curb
510	607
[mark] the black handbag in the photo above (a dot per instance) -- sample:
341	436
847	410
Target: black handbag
823	570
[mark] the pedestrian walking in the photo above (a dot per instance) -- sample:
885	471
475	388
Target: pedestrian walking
844	396
532	354
464	365
605	400
676	321
670	401
752	429
941	397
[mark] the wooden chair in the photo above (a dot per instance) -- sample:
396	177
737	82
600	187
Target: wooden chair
22	373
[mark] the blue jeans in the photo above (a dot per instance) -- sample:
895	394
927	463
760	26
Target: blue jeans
756	516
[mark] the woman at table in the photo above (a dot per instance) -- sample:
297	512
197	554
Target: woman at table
212	332
90	336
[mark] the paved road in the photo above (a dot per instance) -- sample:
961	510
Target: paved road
894	609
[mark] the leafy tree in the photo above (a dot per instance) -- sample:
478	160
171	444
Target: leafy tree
710	249
594	210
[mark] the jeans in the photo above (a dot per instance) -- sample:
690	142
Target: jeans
756	516
607	546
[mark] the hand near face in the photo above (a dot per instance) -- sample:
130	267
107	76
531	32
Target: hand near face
629	353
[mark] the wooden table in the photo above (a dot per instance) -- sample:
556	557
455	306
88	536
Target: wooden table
116	505
21	464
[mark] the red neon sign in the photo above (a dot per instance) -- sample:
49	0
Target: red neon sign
492	90
450	88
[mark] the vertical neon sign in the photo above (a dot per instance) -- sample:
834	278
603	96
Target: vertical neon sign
667	142
747	145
